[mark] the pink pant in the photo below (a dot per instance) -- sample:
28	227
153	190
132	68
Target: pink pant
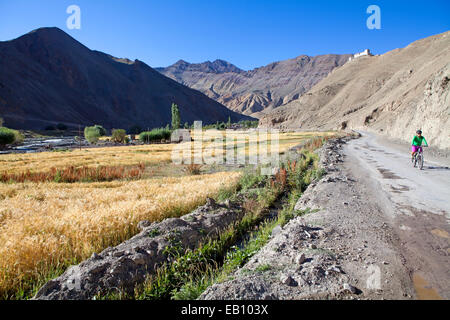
416	148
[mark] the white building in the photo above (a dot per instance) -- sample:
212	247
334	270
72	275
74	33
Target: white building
360	54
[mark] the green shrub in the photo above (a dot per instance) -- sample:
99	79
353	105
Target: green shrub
7	136
101	130
249	123
92	134
155	135
18	137
118	135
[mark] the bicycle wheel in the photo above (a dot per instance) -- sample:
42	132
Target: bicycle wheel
421	162
414	161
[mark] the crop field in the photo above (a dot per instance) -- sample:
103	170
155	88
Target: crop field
46	226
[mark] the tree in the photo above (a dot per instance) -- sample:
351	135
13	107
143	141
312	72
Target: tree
229	122
176	120
221	126
186	125
93	134
118	135
1	122
101	130
7	136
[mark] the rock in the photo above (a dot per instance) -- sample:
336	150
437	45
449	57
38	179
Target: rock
288	280
300	258
95	256
334	269
348	287
144	224
127	265
276	230
227	203
139	259
210	202
312	246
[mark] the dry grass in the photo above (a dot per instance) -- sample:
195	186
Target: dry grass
82	174
111	156
286	140
123	155
47	224
193	169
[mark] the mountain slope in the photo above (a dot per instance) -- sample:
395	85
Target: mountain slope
48	77
257	91
393	94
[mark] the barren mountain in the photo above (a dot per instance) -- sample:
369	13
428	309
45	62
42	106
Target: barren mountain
47	77
257	91
394	94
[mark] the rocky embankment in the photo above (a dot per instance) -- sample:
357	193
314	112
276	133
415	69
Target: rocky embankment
126	265
341	249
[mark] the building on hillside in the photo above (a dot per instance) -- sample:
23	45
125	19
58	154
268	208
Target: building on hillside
361	54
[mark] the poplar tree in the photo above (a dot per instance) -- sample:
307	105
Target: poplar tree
176	120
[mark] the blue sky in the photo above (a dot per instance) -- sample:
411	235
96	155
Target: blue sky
247	33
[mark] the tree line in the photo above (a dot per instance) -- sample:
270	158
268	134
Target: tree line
93	133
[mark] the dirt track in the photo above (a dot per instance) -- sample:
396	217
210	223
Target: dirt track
418	203
380	231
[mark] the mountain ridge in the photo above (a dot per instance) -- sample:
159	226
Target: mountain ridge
392	94
47	77
257	91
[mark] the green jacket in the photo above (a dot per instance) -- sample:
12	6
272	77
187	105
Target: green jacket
417	141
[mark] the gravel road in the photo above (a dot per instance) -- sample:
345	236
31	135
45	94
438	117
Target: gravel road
379	230
419	204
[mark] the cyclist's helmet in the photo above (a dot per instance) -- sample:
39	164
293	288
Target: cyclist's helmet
419	131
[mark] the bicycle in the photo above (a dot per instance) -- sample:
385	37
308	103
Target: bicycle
418	158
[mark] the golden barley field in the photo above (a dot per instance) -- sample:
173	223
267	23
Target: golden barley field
125	155
46	226
111	156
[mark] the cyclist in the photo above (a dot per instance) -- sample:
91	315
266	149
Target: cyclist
417	143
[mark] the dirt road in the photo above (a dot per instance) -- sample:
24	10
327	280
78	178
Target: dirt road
378	229
418	203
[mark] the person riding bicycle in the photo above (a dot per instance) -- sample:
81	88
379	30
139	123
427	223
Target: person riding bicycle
417	143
